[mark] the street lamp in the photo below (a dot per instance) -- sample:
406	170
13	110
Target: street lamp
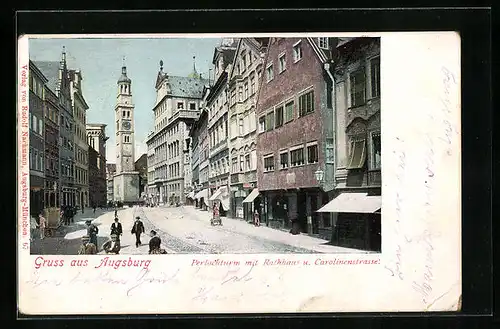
319	175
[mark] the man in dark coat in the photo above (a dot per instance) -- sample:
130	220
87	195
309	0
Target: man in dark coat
116	228
154	243
138	229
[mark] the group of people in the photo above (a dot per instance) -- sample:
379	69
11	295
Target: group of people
40	226
89	242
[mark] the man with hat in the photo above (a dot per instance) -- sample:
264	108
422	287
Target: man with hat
154	243
138	229
92	232
87	248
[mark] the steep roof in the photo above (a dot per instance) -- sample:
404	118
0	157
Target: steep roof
186	87
51	71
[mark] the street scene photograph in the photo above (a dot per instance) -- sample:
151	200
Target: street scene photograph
204	145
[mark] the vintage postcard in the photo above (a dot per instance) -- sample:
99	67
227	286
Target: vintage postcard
239	173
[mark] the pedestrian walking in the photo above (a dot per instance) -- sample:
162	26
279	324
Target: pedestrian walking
256	218
94	208
116	212
138	229
87	248
92	232
42	223
33	227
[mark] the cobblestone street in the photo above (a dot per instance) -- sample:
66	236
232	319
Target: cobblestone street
184	230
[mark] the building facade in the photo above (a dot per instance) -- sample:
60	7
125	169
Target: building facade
110	174
59	84
358	152
218	126
141	166
152	196
52	172
295	134
126	180
96	139
200	162
37	135
243	86
176	108
80	146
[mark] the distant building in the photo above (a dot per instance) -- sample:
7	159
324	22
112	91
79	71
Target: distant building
176	108
218	126
126	180
96	139
243	87
81	148
110	174
141	166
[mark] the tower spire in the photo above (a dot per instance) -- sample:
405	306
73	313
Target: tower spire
194	74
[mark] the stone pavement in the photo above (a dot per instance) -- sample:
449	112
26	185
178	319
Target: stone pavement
300	241
235	236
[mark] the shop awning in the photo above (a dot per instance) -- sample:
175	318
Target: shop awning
201	194
251	196
217	194
353	203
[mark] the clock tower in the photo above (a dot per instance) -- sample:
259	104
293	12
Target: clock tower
126	180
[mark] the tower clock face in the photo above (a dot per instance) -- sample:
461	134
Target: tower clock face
126	125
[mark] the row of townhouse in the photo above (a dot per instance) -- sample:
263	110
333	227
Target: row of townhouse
288	127
60	140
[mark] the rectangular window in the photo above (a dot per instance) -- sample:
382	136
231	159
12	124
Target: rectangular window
270	121
240	127
247	162
375	76
269	73
233	97
269	163
284	160
243	62
252	84
246	90
375	154
297	157
262	124
242	163
234	165
35	157
357	155
180	105
31	158
358	87
282	63
306	103
312	153
40	127
289	111
278	114
323	43
297	52
34	123
240	94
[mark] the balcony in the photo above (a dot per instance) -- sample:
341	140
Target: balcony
184	115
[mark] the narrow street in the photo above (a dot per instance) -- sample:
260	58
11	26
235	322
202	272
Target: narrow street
185	230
